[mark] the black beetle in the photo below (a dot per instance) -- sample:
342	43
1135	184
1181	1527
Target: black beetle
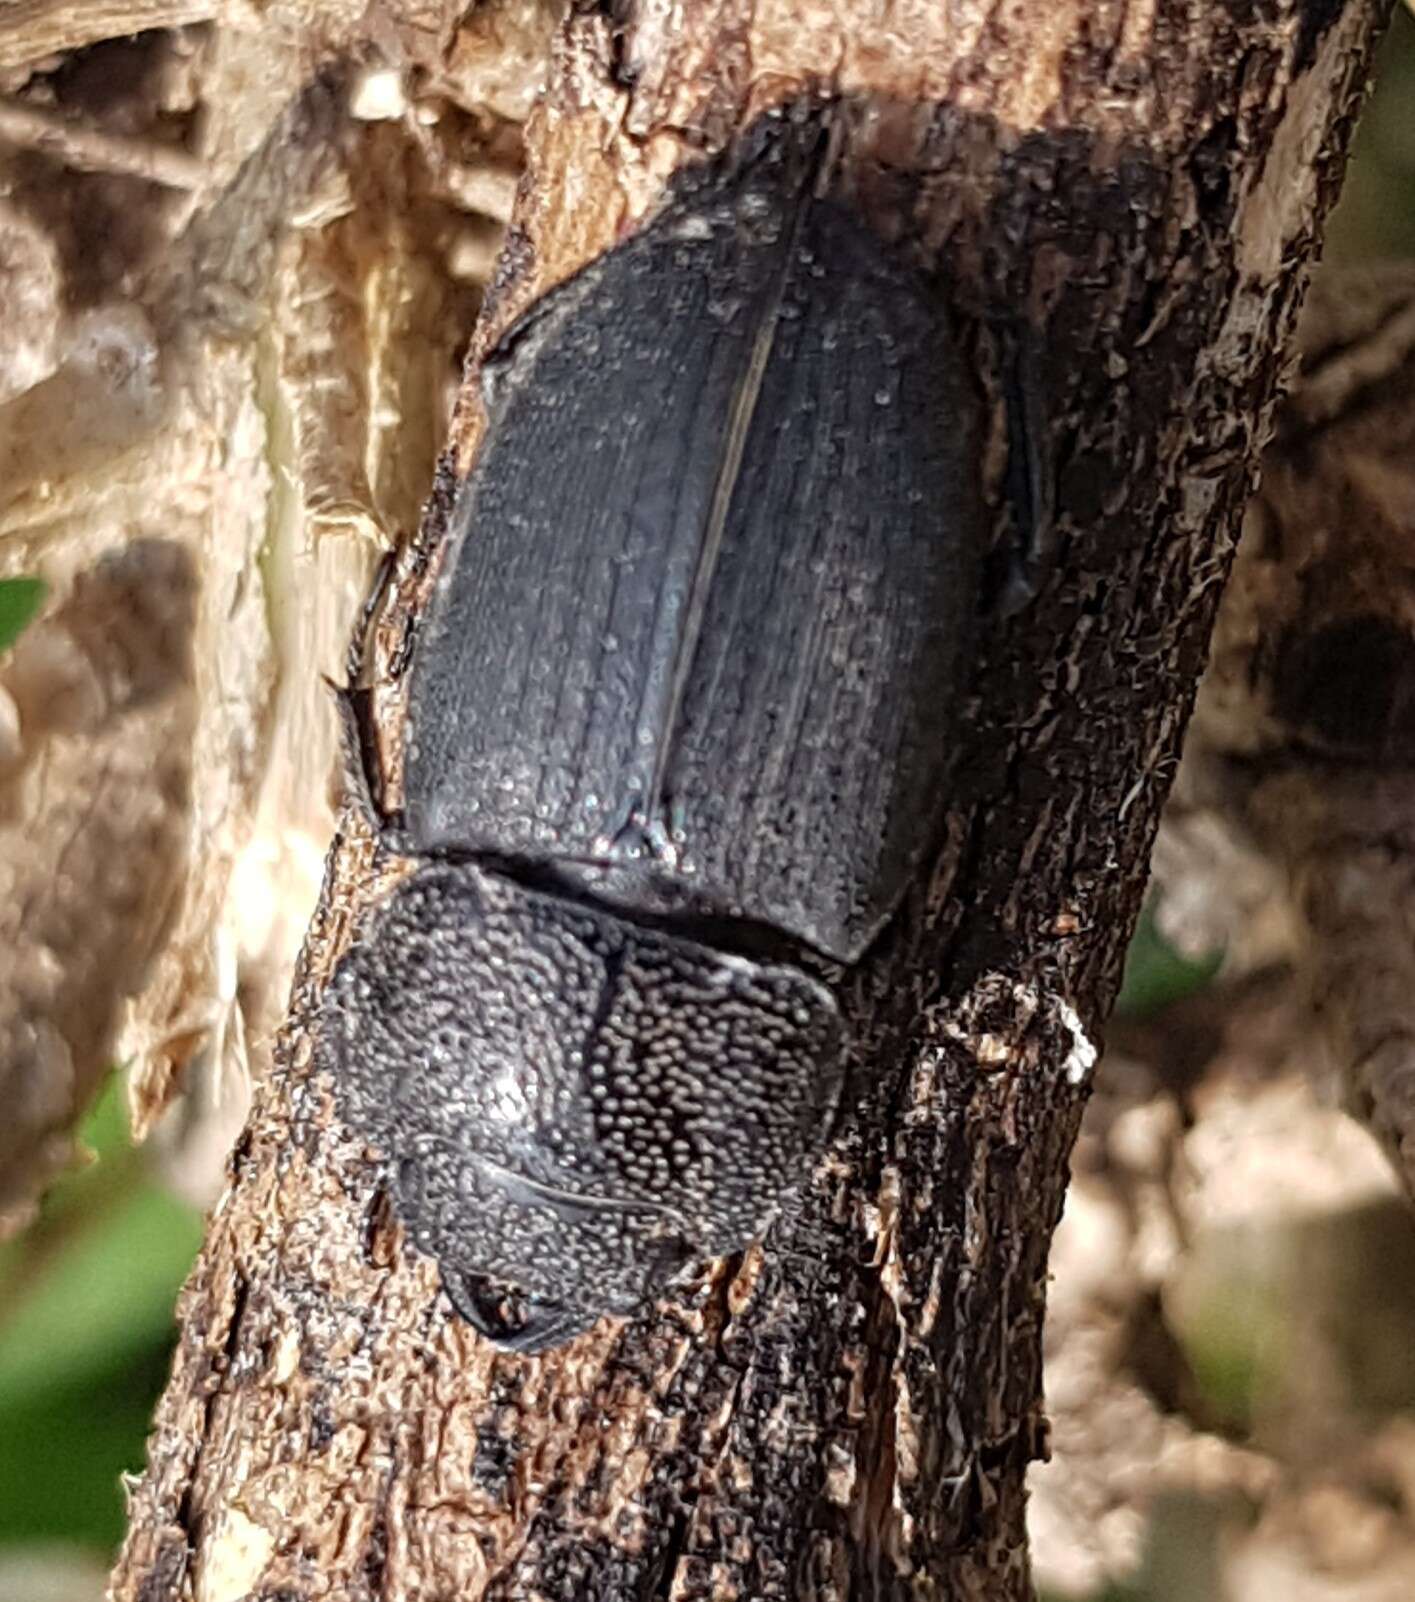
678	727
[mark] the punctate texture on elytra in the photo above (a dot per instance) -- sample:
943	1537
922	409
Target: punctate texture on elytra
682	694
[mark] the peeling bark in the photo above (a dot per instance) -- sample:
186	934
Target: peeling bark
93	839
254	374
33	29
1131	194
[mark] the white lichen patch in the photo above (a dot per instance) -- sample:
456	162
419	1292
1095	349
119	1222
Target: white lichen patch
1084	1054
285	1360
378	96
993	1051
233	1558
992	1048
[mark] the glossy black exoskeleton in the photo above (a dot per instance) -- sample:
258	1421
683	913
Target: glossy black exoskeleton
679	707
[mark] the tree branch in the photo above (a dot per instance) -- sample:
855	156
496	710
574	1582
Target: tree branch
1127	196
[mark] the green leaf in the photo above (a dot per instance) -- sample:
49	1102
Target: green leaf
86	1332
1156	975
101	1268
20	599
63	1448
110	1288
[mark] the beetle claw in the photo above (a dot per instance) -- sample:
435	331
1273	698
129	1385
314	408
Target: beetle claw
508	1318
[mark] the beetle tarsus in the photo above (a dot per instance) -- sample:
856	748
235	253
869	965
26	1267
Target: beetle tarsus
1029	481
515	1323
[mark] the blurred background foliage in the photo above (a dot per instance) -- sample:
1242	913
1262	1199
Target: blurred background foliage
1376	217
85	1337
20	599
87	1292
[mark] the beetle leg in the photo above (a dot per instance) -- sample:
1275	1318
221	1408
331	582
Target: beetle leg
1029	480
358	749
547	1324
536	1324
358	754
356	657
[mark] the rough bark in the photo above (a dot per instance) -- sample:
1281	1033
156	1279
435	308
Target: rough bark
849	1410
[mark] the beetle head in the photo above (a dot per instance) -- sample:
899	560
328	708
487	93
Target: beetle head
575	1108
